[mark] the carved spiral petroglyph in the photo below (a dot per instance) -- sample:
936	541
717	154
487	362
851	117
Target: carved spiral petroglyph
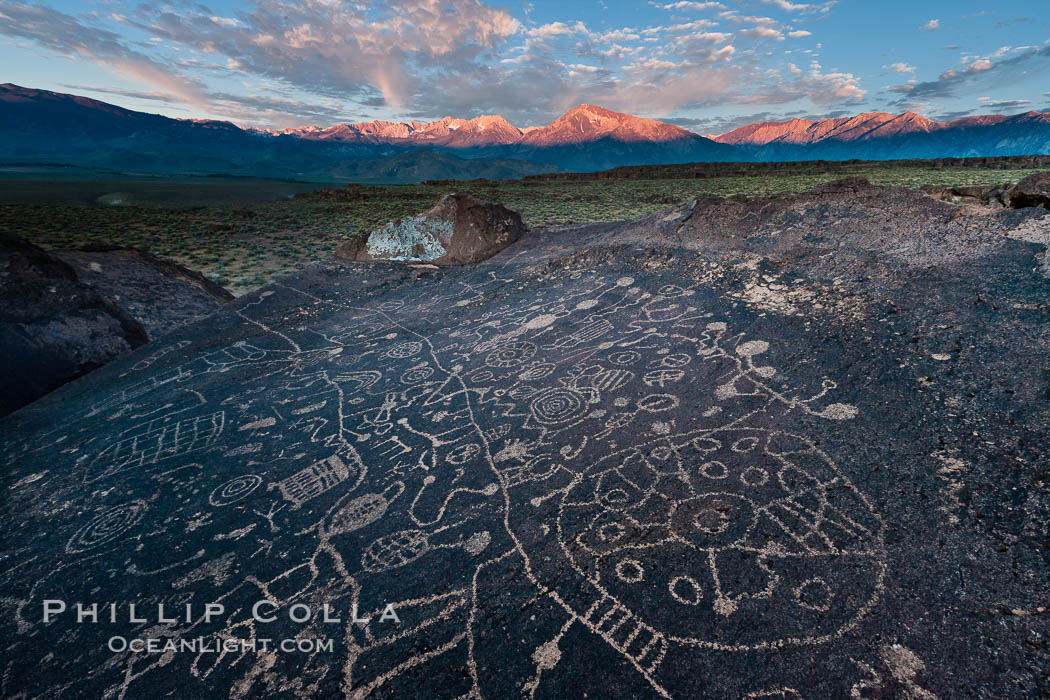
107	526
234	490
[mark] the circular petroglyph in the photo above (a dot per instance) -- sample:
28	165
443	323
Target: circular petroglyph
477	542
417	374
624	357
655	403
814	594
676	360
712	521
763	551
363	510
685	590
536	371
616	498
714	470
754	476
404	349
234	490
556	406
673	290
481	375
511	355
745	444
106	526
630	571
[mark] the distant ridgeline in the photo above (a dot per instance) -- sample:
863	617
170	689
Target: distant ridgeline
42	127
805	167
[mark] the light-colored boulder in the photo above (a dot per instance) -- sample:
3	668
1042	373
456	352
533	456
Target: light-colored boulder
458	230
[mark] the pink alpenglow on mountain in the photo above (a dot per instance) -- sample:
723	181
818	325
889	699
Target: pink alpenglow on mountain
486	130
587	123
863	127
582	124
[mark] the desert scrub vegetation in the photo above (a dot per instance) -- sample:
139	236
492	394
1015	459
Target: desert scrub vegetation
245	246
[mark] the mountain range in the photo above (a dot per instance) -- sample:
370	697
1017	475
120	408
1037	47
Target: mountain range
882	136
581	124
43	127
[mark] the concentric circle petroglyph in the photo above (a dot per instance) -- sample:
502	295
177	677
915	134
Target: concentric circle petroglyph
511	355
417	374
106	526
405	349
555	406
234	490
759	551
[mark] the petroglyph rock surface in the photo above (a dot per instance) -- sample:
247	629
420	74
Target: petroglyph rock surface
791	447
458	230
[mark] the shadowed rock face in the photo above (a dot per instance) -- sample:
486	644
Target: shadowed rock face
159	294
789	447
458	230
53	328
66	313
1033	191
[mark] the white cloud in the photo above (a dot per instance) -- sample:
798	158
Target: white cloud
902	68
761	32
978	74
932	26
553	29
427	58
789	6
687	5
227	21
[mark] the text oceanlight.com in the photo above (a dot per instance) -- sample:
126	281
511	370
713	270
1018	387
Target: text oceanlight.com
212	645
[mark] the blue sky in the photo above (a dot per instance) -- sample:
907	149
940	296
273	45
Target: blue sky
709	66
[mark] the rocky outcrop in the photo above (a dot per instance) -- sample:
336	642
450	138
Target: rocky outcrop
982	195
788	447
53	327
66	313
159	294
458	230
1033	191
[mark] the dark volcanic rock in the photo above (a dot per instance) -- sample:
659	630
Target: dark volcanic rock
458	230
788	447
981	195
159	294
53	328
68	312
1033	191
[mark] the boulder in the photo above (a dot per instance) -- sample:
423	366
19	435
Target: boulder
66	313
1033	191
53	327
159	294
969	195
458	230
